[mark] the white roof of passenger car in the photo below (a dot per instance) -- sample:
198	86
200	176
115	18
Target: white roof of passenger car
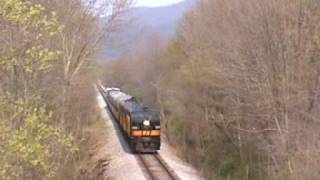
112	89
120	96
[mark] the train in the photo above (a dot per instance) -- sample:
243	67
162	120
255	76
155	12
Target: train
140	124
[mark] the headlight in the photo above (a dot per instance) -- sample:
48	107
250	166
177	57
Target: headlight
134	127
146	123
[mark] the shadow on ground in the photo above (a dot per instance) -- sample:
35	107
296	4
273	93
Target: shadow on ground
120	134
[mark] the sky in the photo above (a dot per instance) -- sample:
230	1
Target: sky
156	3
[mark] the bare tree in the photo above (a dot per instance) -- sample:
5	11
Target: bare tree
239	87
83	32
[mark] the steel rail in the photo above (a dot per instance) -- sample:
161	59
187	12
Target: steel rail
160	163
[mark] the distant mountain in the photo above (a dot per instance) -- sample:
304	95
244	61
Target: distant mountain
147	22
162	20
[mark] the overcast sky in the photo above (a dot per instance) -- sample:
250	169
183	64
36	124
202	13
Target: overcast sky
155	3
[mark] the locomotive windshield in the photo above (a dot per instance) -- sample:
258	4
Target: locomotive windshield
146	115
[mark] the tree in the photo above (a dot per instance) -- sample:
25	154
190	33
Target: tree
47	71
239	88
82	34
28	137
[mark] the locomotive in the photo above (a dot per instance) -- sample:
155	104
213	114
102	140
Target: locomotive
140	124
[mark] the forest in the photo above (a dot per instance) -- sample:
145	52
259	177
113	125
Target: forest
238	87
47	74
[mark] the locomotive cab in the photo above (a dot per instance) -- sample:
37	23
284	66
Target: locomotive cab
146	130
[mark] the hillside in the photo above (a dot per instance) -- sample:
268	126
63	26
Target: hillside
147	22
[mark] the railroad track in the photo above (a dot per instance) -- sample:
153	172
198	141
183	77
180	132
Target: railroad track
156	168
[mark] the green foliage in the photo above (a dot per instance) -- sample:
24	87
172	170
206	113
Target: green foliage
229	169
29	145
41	57
30	55
29	140
31	15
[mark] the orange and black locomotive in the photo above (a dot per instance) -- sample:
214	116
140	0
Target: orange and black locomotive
139	123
